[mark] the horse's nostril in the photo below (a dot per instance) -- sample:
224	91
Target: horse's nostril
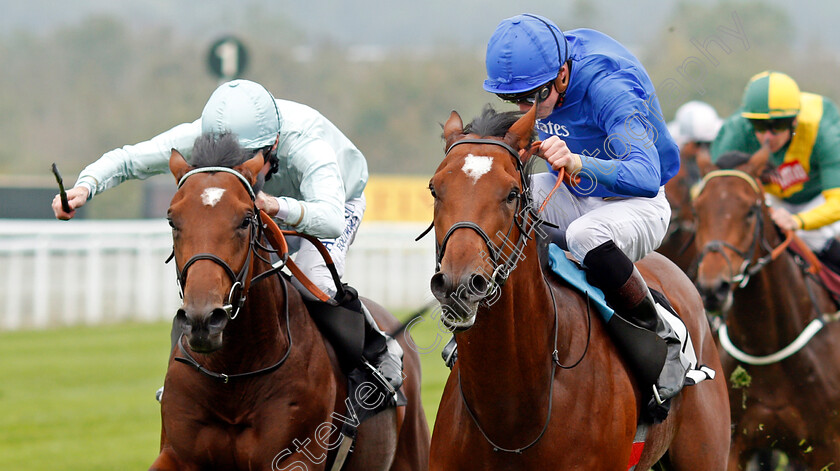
218	319
181	316
439	285
478	285
182	320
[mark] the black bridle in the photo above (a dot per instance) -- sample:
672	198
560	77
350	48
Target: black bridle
525	219
241	284
748	268
238	292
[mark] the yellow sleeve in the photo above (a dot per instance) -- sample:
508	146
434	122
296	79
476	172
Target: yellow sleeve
823	214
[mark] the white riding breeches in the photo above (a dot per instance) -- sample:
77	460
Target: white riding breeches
310	261
636	225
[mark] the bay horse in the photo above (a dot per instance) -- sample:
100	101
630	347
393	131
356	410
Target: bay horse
251	384
678	244
538	384
785	394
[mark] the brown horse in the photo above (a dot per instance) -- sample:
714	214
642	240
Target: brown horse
252	385
786	394
678	244
538	384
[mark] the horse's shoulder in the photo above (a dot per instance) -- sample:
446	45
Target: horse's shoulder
564	292
664	275
659	263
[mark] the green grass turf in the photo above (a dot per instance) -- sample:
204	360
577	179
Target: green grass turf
82	398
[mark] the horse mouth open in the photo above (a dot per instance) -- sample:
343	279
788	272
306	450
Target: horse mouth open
458	316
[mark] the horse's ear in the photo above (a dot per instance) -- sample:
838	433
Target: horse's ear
453	129
758	162
178	165
519	135
704	161
251	168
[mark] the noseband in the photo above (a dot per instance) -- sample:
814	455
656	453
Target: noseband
526	220
502	267
239	288
747	268
237	294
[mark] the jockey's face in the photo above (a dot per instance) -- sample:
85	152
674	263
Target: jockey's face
547	106
776	137
775	141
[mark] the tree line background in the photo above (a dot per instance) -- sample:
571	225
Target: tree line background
74	92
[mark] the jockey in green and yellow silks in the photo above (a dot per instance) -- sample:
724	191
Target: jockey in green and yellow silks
802	131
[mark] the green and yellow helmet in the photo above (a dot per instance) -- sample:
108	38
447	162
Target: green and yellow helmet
770	95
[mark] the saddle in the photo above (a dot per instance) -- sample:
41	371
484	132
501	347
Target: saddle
573	274
368	393
344	328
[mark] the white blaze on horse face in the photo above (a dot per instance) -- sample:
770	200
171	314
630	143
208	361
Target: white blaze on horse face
475	166
211	196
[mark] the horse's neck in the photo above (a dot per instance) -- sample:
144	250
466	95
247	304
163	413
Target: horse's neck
772	309
505	358
255	329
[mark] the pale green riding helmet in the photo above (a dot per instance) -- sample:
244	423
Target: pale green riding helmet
246	109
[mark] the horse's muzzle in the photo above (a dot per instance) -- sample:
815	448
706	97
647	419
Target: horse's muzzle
203	330
717	296
459	300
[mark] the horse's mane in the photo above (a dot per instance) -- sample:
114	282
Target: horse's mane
220	150
493	123
496	124
732	159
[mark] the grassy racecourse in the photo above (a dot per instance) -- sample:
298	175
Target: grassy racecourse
82	398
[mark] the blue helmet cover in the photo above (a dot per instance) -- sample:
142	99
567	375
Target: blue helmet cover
524	52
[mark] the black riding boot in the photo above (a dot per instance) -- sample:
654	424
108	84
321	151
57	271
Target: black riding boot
383	353
380	352
830	255
648	343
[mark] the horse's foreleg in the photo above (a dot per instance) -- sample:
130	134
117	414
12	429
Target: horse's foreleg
825	455
738	456
168	461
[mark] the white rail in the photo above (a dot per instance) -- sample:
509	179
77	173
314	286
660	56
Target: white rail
55	273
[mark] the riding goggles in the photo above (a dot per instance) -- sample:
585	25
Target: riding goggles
529	97
775	126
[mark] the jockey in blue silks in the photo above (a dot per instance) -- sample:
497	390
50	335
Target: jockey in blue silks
599	118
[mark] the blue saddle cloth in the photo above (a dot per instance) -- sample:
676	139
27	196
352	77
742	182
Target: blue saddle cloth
573	274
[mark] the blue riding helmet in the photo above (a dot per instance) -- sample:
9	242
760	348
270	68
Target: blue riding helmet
246	109
525	51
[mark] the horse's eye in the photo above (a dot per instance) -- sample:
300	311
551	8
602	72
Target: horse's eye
513	195
171	224
245	222
432	191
